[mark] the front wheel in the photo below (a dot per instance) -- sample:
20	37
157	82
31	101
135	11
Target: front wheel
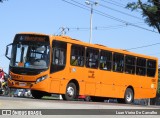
71	92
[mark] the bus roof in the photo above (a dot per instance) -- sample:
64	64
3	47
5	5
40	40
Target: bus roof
98	46
32	33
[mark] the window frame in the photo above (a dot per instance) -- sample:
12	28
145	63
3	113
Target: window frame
130	67
107	63
60	45
89	61
149	68
140	67
118	66
82	56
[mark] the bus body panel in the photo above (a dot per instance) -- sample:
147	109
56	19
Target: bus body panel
42	86
91	82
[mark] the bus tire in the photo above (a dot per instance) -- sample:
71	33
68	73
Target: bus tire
36	94
71	92
129	96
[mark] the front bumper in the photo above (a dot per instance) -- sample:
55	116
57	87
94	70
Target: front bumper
18	84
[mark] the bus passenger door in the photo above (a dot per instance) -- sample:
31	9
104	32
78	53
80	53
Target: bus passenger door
58	64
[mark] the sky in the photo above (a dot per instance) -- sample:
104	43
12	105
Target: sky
113	25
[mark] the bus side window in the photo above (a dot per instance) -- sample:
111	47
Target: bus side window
105	60
141	66
151	68
77	55
130	64
92	57
118	62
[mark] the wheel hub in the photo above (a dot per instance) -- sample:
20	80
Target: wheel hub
129	97
70	91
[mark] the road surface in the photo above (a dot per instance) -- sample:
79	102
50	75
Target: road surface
45	107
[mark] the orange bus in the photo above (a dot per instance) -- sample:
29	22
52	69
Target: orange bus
49	64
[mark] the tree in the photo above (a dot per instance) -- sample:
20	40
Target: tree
2	0
150	11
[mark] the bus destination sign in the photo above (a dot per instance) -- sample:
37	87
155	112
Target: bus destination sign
34	38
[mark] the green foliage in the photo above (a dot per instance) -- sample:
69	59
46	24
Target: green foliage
133	6
2	1
150	11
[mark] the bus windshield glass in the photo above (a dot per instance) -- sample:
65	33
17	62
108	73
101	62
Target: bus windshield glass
30	53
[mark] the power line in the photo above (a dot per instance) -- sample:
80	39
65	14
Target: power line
119	5
101	13
143	46
99	27
116	26
87	28
109	16
58	32
116	4
120	12
76	5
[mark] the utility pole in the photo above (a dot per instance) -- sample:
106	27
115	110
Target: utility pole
91	6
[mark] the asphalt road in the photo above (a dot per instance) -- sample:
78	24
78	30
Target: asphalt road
30	106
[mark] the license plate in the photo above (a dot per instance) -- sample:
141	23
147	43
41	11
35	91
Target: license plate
22	84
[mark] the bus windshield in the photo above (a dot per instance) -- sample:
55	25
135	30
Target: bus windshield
30	55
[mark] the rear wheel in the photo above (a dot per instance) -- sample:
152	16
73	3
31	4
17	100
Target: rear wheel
129	96
37	94
71	92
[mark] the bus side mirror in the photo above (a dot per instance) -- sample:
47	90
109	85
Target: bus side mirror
7	49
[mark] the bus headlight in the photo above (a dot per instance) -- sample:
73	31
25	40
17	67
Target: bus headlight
41	78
